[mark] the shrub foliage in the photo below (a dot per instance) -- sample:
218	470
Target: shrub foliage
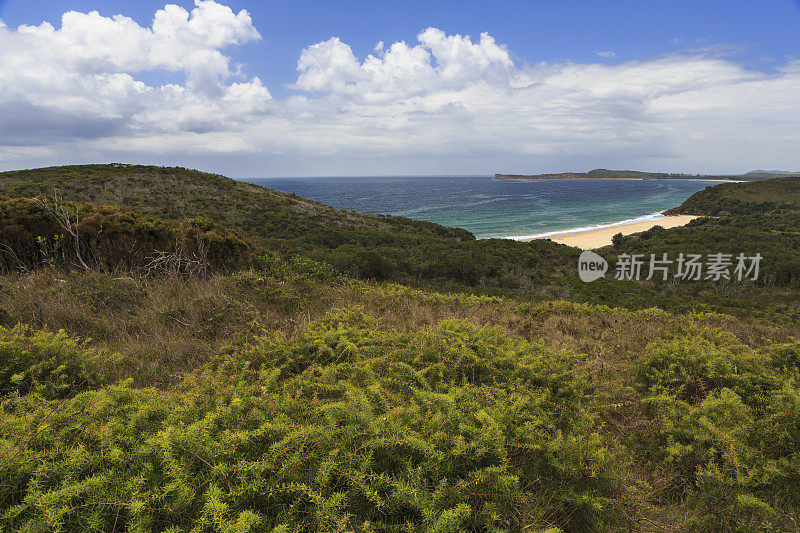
108	238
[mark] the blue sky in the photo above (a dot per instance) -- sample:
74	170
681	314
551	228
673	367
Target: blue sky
737	39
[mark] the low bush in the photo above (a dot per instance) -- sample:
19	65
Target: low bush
343	426
726	421
108	239
54	365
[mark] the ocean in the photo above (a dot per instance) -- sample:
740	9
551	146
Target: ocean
490	207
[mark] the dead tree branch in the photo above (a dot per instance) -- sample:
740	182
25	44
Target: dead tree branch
10	251
56	208
179	261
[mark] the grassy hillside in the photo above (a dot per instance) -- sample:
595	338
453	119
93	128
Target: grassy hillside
759	217
266	215
257	401
53	233
779	194
357	244
283	395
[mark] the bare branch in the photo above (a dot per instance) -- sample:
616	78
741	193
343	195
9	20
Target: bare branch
179	261
10	251
55	207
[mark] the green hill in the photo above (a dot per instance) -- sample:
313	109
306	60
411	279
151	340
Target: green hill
265	215
50	233
755	217
602	173
356	244
778	194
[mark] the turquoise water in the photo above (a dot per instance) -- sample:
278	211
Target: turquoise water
498	208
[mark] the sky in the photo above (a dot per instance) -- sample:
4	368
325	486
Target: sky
260	89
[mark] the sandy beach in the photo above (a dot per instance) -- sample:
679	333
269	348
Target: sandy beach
596	238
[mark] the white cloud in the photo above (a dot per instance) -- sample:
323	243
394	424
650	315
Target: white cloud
88	43
444	102
606	53
327	66
78	80
446	98
438	62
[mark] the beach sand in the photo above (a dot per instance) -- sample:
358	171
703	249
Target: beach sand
596	238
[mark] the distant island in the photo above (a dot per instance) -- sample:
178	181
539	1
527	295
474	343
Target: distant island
601	173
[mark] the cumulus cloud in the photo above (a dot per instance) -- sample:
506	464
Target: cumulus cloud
83	73
451	102
438	62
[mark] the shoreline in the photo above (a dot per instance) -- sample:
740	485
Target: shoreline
596	237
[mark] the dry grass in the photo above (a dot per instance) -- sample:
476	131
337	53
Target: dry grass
165	326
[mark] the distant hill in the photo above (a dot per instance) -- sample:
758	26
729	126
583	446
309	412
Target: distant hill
602	173
768	174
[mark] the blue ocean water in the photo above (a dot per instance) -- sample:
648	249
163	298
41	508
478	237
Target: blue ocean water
497	208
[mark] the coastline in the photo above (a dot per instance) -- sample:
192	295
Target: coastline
631	179
596	237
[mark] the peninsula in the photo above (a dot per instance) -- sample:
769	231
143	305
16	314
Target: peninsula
602	173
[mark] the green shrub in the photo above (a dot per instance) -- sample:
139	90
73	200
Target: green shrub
339	427
726	421
295	268
693	365
53	365
110	239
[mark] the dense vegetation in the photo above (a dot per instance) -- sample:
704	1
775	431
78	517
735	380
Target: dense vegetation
173	193
284	394
358	244
760	217
50	232
771	196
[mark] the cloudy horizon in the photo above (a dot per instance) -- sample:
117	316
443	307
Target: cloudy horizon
95	88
